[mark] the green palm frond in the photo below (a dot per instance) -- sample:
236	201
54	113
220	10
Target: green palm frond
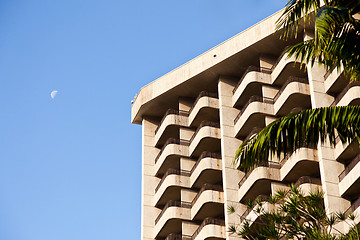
337	33
293	14
296	130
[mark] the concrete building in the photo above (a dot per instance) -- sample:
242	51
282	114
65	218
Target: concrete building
195	117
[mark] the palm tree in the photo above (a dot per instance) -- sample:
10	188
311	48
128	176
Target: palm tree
293	215
337	33
336	44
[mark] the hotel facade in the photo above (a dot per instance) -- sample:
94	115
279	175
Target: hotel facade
195	117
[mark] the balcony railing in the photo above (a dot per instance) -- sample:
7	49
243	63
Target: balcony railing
204	124
344	91
207	221
203	94
260	198
260	69
205	155
254	131
174	236
307	179
177	236
170	112
251	100
327	74
279	58
172	171
289	154
251	69
355	205
172	141
172	203
269	164
288	81
269	100
206	187
349	167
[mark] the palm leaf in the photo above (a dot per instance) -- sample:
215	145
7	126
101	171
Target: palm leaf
337	33
305	128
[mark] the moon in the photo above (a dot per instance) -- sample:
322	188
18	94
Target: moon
53	94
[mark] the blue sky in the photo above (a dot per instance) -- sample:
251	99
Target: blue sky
70	167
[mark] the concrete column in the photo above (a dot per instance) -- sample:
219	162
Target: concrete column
187	195
333	201
149	181
316	82
229	145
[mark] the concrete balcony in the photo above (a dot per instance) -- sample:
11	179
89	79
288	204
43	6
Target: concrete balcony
258	181
169	125
170	185
349	96
355	209
335	81
252	215
303	162
250	84
252	115
206	137
252	133
170	218
209	202
294	93
169	155
210	229
345	152
206	106
309	184
286	67
349	184
207	169
254	77
174	236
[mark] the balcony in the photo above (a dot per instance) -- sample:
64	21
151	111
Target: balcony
174	236
207	169
354	208
254	77
206	137
345	152
349	96
335	81
349	184
169	125
206	106
294	93
169	155
252	214
286	67
309	184
210	228
170	218
209	202
250	84
170	184
303	162
253	115
258	181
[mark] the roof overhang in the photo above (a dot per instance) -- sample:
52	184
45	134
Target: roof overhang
227	58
